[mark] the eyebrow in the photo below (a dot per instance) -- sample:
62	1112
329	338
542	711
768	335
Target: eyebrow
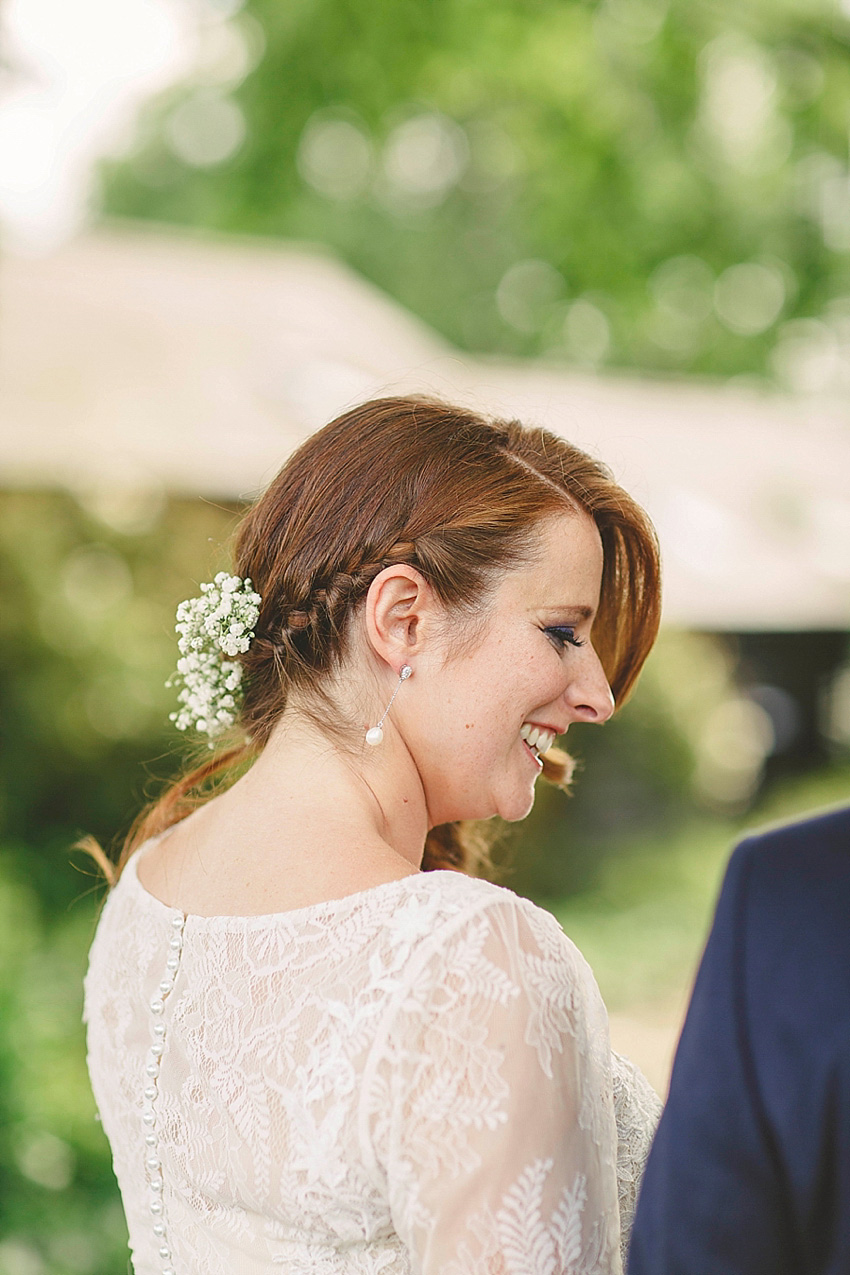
581	612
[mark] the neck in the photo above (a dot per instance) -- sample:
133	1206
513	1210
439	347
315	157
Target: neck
368	798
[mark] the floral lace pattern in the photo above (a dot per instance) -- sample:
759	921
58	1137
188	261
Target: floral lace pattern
637	1110
414	1078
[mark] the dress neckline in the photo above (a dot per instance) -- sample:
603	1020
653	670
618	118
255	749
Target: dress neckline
258	918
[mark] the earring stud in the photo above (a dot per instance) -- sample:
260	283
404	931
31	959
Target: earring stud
375	734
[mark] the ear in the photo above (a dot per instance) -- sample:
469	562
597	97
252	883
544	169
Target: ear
400	611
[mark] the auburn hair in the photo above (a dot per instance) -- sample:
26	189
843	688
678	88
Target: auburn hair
458	497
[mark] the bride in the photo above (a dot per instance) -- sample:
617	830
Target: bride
317	1042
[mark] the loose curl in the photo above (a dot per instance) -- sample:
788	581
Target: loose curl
411	480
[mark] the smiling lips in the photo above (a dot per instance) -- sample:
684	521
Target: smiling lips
538	738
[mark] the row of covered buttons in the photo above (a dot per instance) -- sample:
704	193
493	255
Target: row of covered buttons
149	1119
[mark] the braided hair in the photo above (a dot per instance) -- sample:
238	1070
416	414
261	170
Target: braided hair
418	481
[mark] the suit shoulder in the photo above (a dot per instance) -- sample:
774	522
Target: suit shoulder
829	829
792	881
820	843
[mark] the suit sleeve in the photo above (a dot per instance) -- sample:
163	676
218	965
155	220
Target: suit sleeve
713	1197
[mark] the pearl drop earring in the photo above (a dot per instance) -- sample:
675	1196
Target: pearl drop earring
375	734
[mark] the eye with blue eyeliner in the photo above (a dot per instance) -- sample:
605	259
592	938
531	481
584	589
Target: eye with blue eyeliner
562	636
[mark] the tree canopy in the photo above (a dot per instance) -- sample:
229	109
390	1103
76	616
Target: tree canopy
634	183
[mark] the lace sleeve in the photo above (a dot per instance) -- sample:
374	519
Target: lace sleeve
489	1106
637	1109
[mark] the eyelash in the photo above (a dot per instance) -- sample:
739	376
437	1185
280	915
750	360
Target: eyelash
562	636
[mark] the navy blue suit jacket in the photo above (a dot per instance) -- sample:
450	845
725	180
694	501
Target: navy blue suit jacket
750	1169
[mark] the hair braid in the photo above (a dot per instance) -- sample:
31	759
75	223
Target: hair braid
454	495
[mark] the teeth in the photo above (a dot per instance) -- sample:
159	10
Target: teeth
537	737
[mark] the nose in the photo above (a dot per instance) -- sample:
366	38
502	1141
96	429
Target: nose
589	694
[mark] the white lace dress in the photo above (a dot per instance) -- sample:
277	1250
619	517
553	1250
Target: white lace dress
416	1078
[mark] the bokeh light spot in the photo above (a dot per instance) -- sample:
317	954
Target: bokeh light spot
206	129
587	333
424	157
19	1257
735	741
749	297
95	579
739	109
47	1160
526	292
335	155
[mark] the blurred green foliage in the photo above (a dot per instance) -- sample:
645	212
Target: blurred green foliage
642	924
86	645
658	184
59	1207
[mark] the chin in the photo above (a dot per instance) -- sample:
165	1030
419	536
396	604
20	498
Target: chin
512	805
517	809
511	810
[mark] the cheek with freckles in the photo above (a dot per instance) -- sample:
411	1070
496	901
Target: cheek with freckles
466	731
463	776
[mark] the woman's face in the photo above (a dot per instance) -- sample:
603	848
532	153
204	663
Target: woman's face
469	722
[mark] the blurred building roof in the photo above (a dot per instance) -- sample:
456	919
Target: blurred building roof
139	360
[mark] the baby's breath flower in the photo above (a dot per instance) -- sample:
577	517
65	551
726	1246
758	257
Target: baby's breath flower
218	623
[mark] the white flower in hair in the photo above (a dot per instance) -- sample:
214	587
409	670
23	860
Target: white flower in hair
219	623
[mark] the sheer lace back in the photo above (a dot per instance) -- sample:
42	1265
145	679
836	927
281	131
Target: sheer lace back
415	1078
